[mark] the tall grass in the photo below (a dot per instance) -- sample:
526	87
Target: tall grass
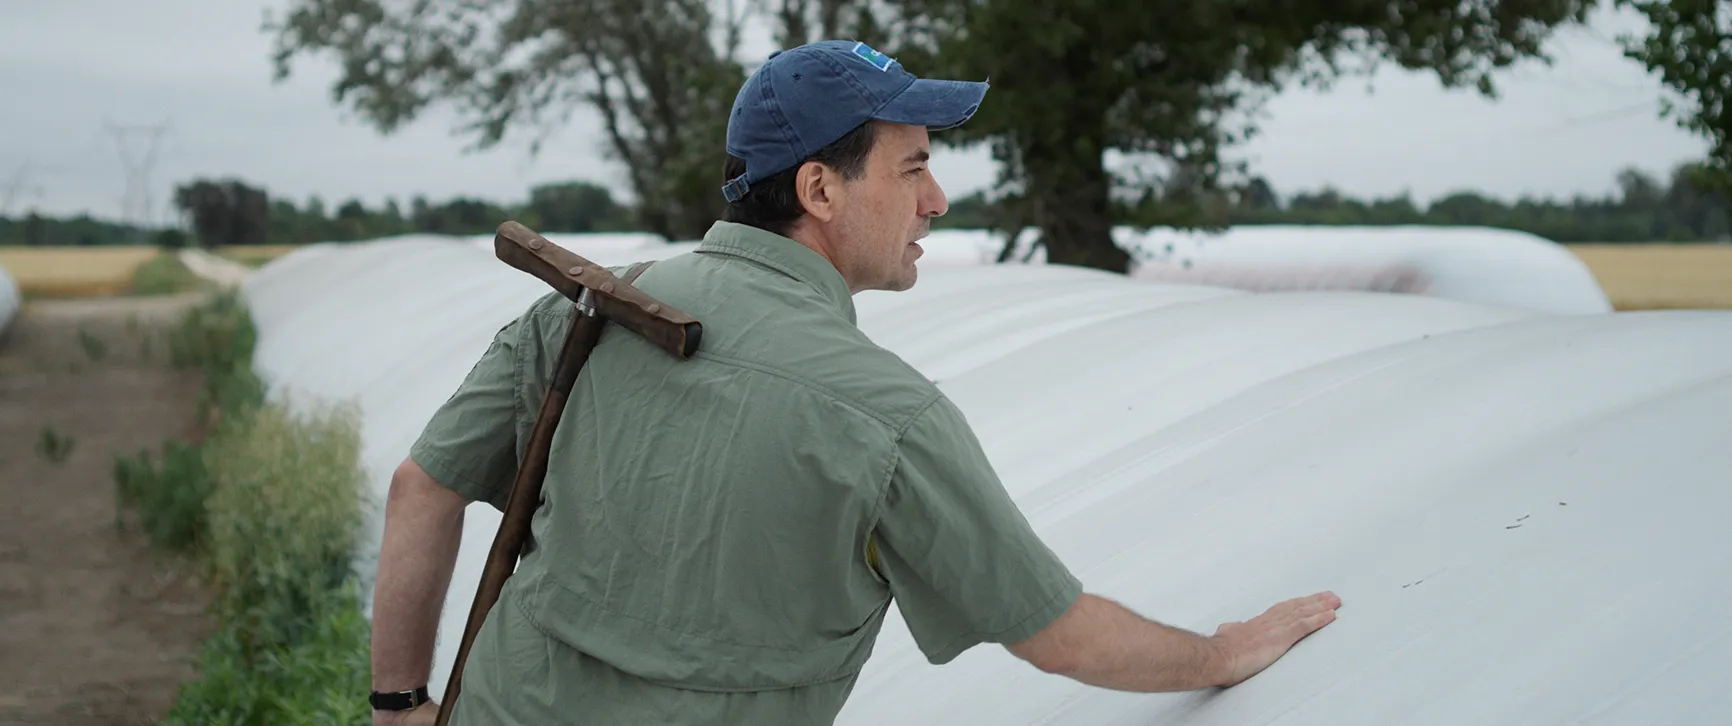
170	498
164	274
218	339
284	518
270	503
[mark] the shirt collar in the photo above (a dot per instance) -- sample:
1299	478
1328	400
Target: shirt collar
782	255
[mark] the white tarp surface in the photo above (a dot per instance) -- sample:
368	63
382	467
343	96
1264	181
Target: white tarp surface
1471	264
10	300
1524	513
220	270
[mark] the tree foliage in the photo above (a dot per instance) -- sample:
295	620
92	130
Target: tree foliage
654	70
1175	83
574	207
1689	46
224	212
559	207
1644	209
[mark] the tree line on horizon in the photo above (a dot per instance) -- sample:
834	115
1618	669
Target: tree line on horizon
229	212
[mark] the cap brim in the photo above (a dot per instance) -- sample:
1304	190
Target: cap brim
935	104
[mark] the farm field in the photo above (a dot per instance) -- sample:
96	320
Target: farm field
95	628
1661	276
74	271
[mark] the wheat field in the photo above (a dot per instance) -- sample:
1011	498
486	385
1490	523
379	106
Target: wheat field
74	271
1661	276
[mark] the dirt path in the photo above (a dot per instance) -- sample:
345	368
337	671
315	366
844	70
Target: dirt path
93	628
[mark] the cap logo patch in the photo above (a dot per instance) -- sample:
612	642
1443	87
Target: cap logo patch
878	60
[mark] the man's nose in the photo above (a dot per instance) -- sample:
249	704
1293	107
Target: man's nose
933	203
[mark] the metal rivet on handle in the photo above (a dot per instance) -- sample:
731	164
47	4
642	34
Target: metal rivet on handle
535	244
575	271
654	308
607	287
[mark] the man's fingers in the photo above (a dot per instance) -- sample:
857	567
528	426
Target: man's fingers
1311	623
1304	606
1302	616
1321	602
1313	604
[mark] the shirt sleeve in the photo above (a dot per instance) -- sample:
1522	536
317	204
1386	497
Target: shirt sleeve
963	564
470	443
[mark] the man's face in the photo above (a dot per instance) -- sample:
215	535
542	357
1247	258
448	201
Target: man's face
886	211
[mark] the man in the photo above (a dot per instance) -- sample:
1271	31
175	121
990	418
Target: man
720	537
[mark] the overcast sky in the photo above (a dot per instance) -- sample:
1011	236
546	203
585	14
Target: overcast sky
72	67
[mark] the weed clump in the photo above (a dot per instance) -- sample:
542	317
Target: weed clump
270	502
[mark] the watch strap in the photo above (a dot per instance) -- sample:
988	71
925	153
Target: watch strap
398	700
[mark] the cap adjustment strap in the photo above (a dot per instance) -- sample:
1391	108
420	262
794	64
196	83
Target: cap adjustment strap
736	188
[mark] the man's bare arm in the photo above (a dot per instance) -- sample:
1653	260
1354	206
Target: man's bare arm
1101	643
423	528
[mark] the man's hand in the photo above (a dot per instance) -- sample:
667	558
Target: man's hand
1102	643
425	714
1257	643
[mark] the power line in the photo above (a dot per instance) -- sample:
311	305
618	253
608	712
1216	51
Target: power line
1625	111
138	207
16	187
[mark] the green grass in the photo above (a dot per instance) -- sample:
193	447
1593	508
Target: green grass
164	274
218	339
255	256
53	446
169	497
95	348
269	504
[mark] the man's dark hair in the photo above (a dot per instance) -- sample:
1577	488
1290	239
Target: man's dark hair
772	205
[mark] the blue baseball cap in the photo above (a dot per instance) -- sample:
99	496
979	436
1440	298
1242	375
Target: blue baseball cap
804	98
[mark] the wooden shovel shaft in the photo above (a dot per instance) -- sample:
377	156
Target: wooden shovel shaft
525	496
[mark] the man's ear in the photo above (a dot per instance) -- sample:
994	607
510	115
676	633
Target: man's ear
817	187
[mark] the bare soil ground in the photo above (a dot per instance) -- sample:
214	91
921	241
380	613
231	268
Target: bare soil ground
94	628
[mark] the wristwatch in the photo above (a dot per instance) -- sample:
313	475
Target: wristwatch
398	700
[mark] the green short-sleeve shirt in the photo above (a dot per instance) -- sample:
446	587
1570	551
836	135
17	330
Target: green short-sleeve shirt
720	538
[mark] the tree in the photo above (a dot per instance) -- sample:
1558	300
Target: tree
1689	45
575	207
1074	80
225	212
35	230
1259	195
661	75
169	239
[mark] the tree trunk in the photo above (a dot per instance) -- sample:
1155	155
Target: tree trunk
1070	193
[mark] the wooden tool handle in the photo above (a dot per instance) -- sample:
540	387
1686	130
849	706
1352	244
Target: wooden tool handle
569	273
525	497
